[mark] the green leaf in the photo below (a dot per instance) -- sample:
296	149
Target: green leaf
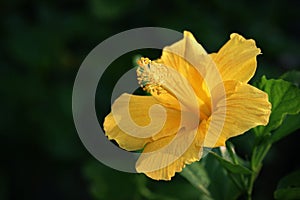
197	176
291	123
230	165
291	180
222	186
285	100
146	193
106	183
287	194
289	187
292	76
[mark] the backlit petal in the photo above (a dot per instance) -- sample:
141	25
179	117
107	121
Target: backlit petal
186	57
161	159
137	120
236	60
243	108
126	141
188	47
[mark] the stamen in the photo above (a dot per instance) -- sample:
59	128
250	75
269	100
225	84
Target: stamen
151	75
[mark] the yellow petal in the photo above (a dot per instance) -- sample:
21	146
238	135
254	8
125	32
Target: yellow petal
188	47
137	120
236	60
167	100
161	159
243	108
185	56
124	140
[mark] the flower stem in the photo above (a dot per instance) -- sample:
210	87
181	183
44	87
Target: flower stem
258	155
251	182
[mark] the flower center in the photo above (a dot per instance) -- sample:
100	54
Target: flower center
157	78
151	76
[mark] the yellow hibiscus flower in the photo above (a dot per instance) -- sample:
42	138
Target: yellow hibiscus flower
197	100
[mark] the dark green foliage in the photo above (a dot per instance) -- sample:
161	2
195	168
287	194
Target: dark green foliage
43	43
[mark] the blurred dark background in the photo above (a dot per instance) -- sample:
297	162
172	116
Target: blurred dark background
42	45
